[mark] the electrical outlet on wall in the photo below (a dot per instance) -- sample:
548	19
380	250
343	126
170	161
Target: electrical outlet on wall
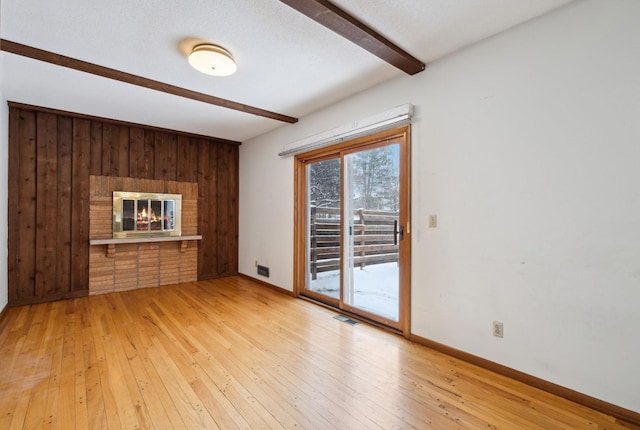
498	329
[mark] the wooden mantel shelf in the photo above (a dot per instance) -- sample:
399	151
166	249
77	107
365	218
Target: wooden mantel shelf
111	243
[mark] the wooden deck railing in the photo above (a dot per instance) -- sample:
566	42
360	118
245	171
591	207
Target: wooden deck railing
372	233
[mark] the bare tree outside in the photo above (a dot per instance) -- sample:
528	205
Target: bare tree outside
324	183
375	179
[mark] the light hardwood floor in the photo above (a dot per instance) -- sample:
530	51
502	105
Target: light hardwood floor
230	353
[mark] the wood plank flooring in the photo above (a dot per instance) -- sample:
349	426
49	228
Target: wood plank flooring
230	353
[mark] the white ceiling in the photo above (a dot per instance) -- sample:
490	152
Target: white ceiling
287	63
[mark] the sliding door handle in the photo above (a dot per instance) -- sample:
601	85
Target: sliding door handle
395	232
398	230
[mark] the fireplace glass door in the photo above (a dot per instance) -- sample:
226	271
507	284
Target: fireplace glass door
148	215
138	214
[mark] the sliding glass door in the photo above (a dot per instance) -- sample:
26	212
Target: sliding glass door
354	253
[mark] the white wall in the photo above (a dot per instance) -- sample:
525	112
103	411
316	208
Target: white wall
4	190
527	146
266	212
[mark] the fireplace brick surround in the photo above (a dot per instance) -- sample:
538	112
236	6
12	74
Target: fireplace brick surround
146	264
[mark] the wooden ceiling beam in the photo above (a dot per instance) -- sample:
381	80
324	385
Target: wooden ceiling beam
336	19
105	72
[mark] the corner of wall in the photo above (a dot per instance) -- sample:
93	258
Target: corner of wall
4	191
266	219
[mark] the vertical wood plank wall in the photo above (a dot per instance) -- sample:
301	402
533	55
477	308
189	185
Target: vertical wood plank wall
52	155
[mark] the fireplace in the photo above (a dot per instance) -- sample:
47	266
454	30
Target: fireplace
146	214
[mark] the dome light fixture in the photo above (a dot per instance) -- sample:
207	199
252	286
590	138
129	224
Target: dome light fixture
212	60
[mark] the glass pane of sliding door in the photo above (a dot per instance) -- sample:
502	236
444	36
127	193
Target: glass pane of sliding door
371	189
324	228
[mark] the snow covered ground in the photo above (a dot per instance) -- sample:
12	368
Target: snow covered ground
376	288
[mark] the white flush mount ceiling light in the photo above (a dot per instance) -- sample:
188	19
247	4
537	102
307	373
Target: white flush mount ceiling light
212	60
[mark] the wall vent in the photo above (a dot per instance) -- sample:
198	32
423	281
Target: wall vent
263	270
345	319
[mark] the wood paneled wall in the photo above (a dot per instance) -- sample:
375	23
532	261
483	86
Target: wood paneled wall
51	156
